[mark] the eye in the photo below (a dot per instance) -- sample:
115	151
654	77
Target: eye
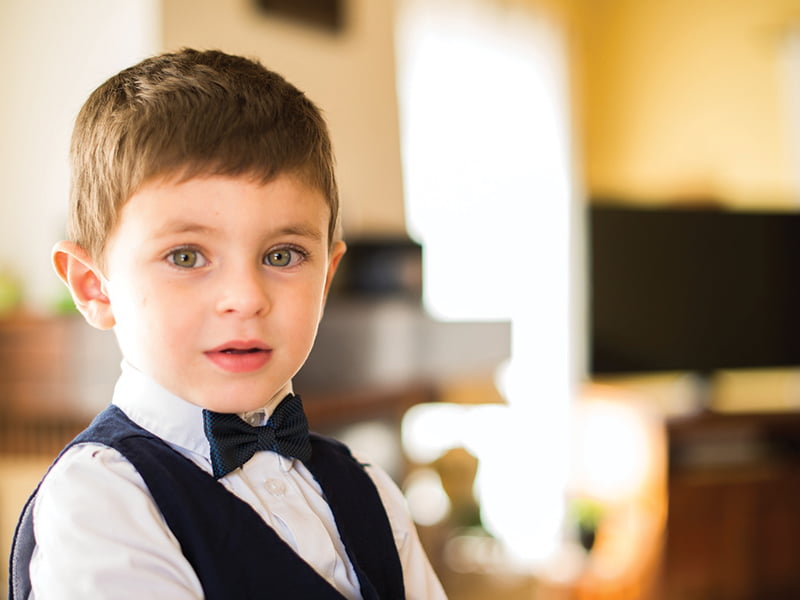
186	258
283	257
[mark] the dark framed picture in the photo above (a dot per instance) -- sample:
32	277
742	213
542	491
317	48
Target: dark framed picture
325	14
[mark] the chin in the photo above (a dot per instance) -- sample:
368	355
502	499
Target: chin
232	406
241	401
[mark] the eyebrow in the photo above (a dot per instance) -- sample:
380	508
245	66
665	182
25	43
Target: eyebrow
180	227
173	227
301	230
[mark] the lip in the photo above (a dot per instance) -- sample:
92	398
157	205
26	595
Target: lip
240	356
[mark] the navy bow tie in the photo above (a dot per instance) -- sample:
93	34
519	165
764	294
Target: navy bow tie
233	441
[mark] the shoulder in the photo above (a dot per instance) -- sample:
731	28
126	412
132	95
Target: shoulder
388	490
97	527
420	579
390	495
90	489
86	477
393	500
89	460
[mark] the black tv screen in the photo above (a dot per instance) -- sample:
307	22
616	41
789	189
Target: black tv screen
692	290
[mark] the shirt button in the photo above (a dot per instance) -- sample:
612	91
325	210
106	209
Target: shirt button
275	487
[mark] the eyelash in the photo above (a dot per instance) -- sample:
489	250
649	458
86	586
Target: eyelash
296	256
172	255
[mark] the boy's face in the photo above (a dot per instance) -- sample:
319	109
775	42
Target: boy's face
217	285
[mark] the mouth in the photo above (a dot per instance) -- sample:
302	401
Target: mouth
241	347
240	357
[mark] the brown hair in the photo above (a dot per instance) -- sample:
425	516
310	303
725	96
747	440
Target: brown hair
186	114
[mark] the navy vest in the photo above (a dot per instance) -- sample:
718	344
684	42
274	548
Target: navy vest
226	542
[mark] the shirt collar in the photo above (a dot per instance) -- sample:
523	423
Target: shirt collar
178	422
174	420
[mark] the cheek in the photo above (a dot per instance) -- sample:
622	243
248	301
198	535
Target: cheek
146	317
304	313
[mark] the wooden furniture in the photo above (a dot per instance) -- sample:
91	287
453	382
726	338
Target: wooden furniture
55	374
733	524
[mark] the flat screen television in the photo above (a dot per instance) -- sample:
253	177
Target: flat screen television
692	290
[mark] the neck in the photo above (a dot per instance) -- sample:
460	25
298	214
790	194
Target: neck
260	415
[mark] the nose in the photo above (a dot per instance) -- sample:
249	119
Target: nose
243	292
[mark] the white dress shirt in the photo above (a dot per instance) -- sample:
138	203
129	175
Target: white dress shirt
99	534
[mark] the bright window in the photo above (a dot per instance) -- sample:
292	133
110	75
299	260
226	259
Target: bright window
487	173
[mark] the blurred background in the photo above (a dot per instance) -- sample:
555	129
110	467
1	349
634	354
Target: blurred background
566	324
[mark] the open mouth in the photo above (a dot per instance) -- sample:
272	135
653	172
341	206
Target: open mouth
240	357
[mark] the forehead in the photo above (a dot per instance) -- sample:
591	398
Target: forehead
222	206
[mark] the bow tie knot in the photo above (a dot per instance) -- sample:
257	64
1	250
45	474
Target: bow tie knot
233	441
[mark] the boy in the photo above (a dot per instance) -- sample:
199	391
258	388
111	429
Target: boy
204	231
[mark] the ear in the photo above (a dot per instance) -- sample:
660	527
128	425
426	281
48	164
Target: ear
82	276
334	257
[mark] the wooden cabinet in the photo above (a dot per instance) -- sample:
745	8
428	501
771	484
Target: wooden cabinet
55	374
733	523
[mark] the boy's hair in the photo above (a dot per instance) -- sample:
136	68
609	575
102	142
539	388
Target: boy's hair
186	114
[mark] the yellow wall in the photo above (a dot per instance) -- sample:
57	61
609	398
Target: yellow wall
350	75
687	98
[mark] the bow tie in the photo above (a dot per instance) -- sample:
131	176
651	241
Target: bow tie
233	442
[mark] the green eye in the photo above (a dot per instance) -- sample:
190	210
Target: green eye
279	258
185	258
